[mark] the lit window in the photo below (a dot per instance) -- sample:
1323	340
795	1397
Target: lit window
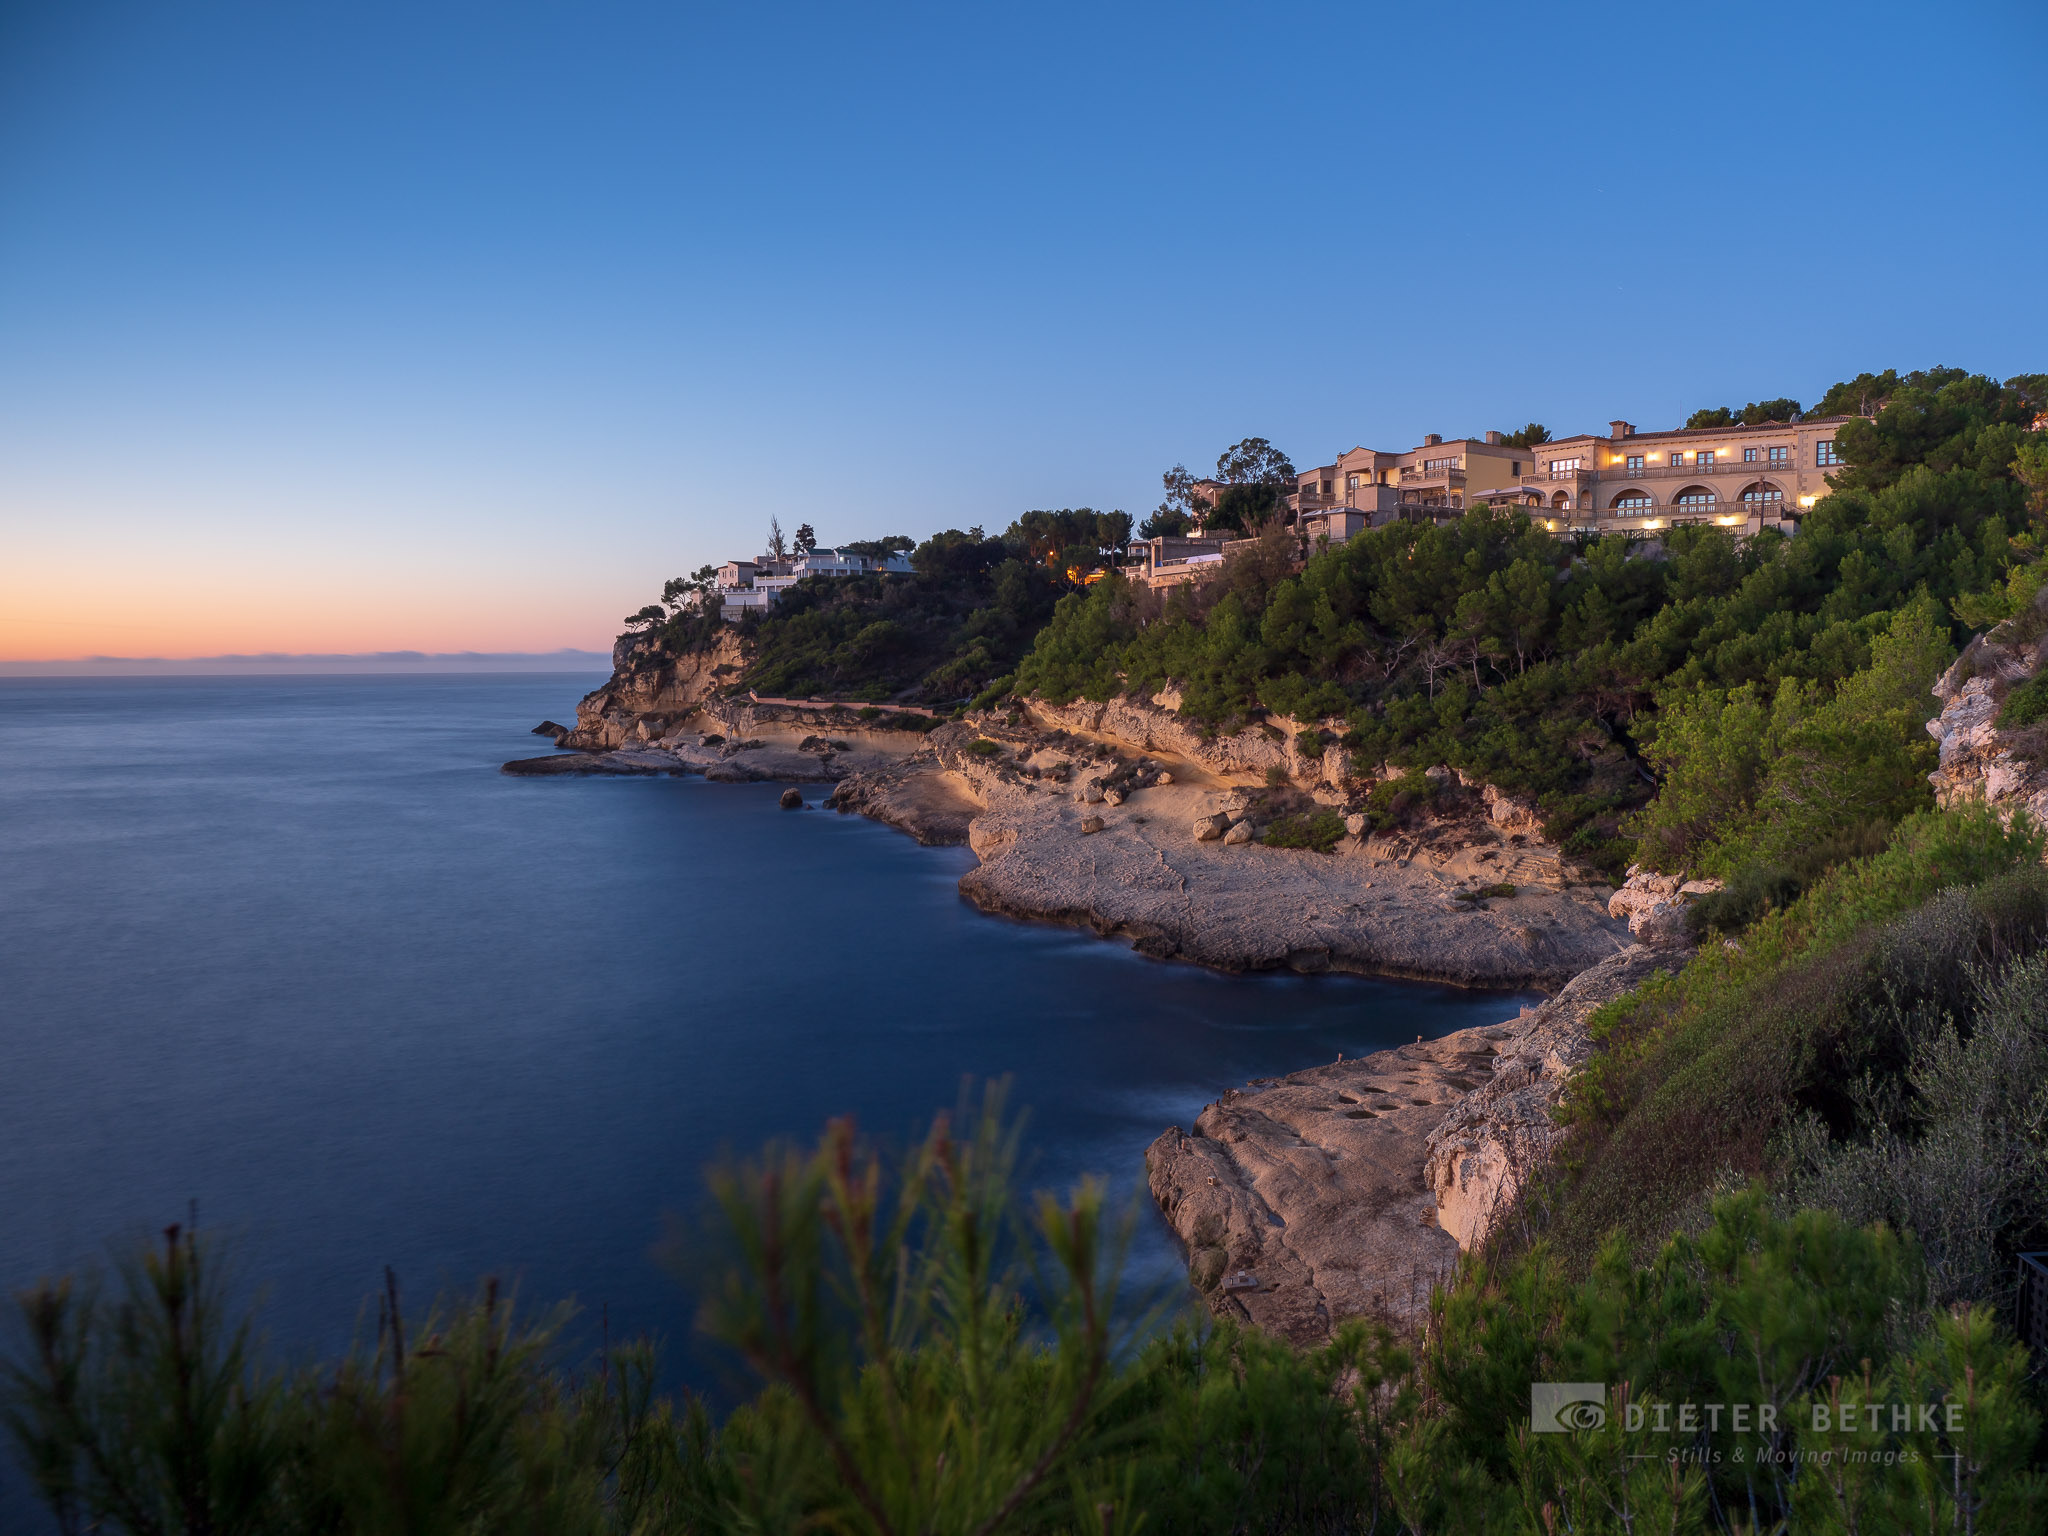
1635	463
1705	458
1633	504
1749	455
1564	469
1698	501
1677	460
1763	498
1780	455
1824	453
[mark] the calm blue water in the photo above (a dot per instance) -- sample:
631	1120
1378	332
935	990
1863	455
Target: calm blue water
295	949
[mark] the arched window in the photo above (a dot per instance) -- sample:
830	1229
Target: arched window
1561	500
1633	504
1693	501
1765	498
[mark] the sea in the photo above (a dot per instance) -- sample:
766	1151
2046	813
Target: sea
291	957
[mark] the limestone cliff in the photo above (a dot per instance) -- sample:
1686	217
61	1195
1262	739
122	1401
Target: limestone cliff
2003	768
1155	725
1349	1190
1480	1155
651	690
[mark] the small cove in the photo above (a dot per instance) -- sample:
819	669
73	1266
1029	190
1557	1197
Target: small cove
294	950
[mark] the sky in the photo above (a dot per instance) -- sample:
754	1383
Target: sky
450	327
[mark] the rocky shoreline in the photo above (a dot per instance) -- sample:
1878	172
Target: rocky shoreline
1340	1191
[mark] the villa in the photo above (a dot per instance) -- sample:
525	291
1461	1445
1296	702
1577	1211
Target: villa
755	585
1747	477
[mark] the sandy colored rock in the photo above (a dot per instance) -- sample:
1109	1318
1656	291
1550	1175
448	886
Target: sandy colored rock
1313	1185
1239	834
1480	1154
1091	824
1209	828
1348	1190
1976	761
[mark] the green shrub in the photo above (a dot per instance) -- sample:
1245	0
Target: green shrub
981	746
1276	777
995	693
2025	705
1320	831
912	1383
1699	1073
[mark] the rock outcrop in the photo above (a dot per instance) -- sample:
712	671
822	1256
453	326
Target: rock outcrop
1481	1153
1176	869
1156	726
1349	1190
652	689
1654	905
1301	1199
2006	768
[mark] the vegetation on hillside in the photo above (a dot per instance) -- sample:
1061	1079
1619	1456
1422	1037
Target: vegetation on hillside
958	623
1588	674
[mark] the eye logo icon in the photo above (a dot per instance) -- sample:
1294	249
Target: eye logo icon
1558	1407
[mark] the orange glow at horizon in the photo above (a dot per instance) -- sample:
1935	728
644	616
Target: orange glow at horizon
127	600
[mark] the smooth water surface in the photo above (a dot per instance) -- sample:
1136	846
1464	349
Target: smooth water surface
295	950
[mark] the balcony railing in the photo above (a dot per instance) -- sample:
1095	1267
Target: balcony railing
1669	471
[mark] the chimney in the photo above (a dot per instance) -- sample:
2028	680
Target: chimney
1432	439
1621	429
1493	439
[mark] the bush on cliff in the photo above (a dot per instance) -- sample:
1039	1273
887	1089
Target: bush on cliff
1765	1059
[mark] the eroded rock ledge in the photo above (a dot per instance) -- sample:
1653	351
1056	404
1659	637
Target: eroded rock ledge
1349	1190
1093	815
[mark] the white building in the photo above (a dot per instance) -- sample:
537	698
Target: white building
753	586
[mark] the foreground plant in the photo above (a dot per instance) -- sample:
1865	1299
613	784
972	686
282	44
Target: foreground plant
892	1313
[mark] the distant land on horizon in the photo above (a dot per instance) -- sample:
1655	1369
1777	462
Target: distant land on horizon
278	663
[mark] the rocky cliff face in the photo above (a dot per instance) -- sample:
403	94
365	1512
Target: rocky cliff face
2006	769
1349	1190
651	690
1479	1156
1155	725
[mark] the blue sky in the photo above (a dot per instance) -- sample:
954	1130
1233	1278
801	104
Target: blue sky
366	327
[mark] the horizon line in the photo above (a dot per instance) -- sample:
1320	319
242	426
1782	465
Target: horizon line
564	659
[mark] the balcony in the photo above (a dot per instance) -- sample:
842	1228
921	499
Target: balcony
1759	467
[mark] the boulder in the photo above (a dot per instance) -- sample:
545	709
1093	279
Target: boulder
549	728
1208	828
1112	797
1355	824
1091	793
792	799
1240	832
1655	904
1090	824
1164	777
